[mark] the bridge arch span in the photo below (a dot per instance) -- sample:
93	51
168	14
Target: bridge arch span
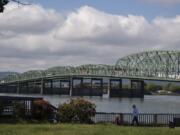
157	64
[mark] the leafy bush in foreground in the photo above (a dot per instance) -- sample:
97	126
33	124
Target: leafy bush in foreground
77	110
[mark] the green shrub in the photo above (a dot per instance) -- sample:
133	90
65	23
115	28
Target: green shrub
77	111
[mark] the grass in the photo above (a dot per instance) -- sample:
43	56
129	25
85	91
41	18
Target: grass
76	129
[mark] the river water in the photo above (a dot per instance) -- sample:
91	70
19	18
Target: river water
150	104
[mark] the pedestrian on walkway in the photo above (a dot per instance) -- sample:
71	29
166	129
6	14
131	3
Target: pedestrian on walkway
135	116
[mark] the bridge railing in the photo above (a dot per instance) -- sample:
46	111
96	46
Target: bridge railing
144	119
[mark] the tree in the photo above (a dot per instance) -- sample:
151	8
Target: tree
175	89
152	87
2	4
78	111
167	87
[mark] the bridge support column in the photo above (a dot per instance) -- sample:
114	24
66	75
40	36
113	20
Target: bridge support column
109	88
71	85
137	88
52	90
97	87
18	87
27	88
115	87
42	86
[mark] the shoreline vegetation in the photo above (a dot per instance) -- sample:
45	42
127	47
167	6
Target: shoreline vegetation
172	89
164	94
161	94
82	129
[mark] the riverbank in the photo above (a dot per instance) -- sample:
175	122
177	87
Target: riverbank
163	93
76	129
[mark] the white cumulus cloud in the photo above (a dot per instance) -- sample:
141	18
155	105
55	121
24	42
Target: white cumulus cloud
32	37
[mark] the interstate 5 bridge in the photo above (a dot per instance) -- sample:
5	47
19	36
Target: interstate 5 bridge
99	80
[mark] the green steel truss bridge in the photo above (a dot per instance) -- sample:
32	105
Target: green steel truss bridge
152	65
97	80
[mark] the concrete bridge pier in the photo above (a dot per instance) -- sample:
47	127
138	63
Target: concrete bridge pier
108	89
42	87
18	87
115	87
70	86
137	88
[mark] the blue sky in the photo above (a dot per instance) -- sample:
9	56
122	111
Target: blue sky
149	10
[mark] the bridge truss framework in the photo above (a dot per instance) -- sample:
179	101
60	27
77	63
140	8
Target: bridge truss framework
152	65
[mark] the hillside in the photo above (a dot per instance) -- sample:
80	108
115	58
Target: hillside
4	74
